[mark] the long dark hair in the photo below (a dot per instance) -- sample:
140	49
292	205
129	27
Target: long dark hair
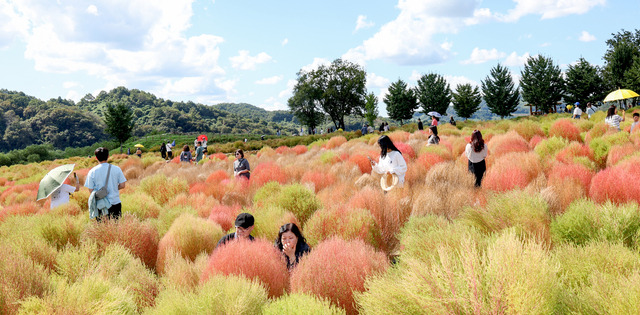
434	130
241	153
385	143
611	111
476	141
293	228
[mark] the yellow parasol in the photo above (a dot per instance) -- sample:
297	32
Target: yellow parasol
139	145
620	94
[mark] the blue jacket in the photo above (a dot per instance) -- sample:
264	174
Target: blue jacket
98	207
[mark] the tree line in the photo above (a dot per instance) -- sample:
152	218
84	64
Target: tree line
335	90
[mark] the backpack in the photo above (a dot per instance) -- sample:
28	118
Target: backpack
102	192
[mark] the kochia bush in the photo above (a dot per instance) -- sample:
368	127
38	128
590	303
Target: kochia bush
565	128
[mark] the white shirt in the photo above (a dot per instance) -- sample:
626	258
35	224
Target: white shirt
97	176
168	147
613	121
474	156
393	163
590	111
577	111
60	196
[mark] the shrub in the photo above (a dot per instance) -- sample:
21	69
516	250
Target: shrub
301	304
20	278
283	150
533	143
336	269
512	171
161	188
362	162
429	159
335	142
219	295
217	177
268	220
181	273
441	150
189	236
584	221
329	157
300	149
298	200
239	258
548	148
601	146
597	131
565	128
619	152
140	205
507	143
90	293
224	216
406	150
527	213
398	136
620	183
319	179
572	151
60	231
528	129
139	237
560	173
20	209
267	172
18	194
446	191
345	223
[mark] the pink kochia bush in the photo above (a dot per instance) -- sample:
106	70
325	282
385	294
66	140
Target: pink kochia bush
224	215
335	269
562	172
620	183
406	150
510	142
258	260
514	170
362	162
267	172
319	179
564	128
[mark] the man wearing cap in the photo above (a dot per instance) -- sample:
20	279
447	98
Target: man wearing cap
244	226
577	112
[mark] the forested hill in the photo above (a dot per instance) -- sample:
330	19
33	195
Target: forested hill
27	120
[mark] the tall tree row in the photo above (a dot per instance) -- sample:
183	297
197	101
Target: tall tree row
401	101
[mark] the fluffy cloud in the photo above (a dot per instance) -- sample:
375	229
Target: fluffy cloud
454	81
409	39
376	81
548	9
483	55
513	60
284	41
362	23
270	80
317	62
244	61
586	37
124	42
273	104
289	90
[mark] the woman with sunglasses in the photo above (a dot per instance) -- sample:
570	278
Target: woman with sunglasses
241	166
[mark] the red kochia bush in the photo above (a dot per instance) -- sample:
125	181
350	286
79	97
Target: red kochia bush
335	142
19	193
337	268
141	238
283	150
429	159
24	209
362	162
220	156
566	129
534	141
406	150
217	176
300	149
561	172
619	152
620	183
267	172
258	260
510	142
319	179
573	150
224	215
510	171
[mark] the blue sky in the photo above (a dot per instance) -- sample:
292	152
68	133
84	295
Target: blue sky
250	51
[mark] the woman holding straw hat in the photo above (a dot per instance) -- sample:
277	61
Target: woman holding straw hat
391	161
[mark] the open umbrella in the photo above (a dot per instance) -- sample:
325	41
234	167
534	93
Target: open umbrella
434	114
139	145
54	179
203	138
620	94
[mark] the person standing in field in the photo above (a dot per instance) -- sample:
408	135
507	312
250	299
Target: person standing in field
97	177
185	155
241	168
613	119
163	151
577	112
169	153
420	125
60	196
636	117
590	110
199	151
476	151
391	160
434	121
433	136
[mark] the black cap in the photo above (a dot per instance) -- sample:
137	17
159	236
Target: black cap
244	220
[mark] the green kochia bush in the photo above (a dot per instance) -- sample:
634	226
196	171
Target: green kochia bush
295	198
302	304
509	277
219	295
585	221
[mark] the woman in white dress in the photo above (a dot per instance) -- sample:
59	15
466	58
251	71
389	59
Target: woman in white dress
391	160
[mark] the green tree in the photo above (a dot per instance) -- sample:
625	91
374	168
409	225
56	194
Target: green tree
371	108
303	102
632	77
343	86
624	47
584	83
401	101
466	100
119	122
499	92
542	83
433	93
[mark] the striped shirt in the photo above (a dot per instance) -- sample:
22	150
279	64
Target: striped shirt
613	121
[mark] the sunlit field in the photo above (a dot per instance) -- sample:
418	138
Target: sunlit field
555	229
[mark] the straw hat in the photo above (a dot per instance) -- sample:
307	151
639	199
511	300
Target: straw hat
388	181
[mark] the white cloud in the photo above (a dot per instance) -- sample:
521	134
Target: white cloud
376	81
135	43
547	44
586	37
415	75
270	80
69	84
513	60
273	104
454	81
317	62
244	61
409	38
14	25
289	90
284	41
549	9
483	55
92	9
362	23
